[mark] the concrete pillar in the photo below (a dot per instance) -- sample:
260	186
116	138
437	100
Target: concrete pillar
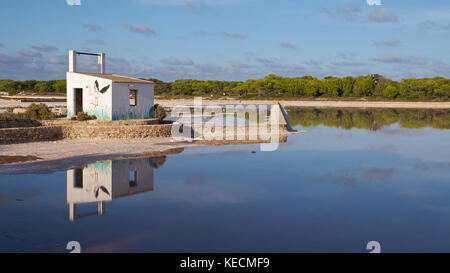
101	63
72	61
101	208
72	211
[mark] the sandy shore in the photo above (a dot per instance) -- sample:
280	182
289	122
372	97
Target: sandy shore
64	154
312	103
51	156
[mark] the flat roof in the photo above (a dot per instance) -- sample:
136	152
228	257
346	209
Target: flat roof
116	78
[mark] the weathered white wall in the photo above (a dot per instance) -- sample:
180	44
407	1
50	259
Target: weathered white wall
121	176
94	176
114	104
121	108
94	103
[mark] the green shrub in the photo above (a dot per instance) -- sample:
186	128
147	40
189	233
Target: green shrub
39	112
82	116
160	112
158	162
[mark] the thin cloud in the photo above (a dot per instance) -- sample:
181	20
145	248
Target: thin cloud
390	42
235	35
184	2
442	68
200	33
288	45
141	29
30	53
348	63
196	6
264	61
177	62
96	42
348	12
313	62
92	27
346	55
431	25
382	15
45	48
375	176
396	59
234	64
119	61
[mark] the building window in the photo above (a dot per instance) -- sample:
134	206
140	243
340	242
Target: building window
133	97
133	178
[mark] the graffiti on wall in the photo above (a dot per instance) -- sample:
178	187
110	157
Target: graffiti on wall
96	185
94	106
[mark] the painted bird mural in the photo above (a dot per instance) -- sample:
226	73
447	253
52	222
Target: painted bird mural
103	189
97	88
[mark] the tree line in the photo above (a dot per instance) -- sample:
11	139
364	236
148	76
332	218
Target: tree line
33	86
273	86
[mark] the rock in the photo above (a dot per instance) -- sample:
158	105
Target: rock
19	110
62	111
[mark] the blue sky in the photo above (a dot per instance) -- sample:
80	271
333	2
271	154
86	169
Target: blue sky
227	39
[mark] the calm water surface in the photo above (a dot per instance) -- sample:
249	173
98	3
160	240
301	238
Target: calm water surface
354	177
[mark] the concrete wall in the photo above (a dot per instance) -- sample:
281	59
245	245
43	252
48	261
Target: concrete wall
121	108
94	102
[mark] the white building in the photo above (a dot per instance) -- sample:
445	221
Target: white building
107	96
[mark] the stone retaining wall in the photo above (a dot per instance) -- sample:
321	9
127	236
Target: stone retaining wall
117	132
18	135
49	133
80	130
19	123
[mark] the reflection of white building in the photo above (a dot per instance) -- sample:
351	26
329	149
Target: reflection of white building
107	180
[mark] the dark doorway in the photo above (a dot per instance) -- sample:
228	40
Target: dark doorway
78	178
78	100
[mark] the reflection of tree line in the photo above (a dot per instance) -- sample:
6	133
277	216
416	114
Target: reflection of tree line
371	119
